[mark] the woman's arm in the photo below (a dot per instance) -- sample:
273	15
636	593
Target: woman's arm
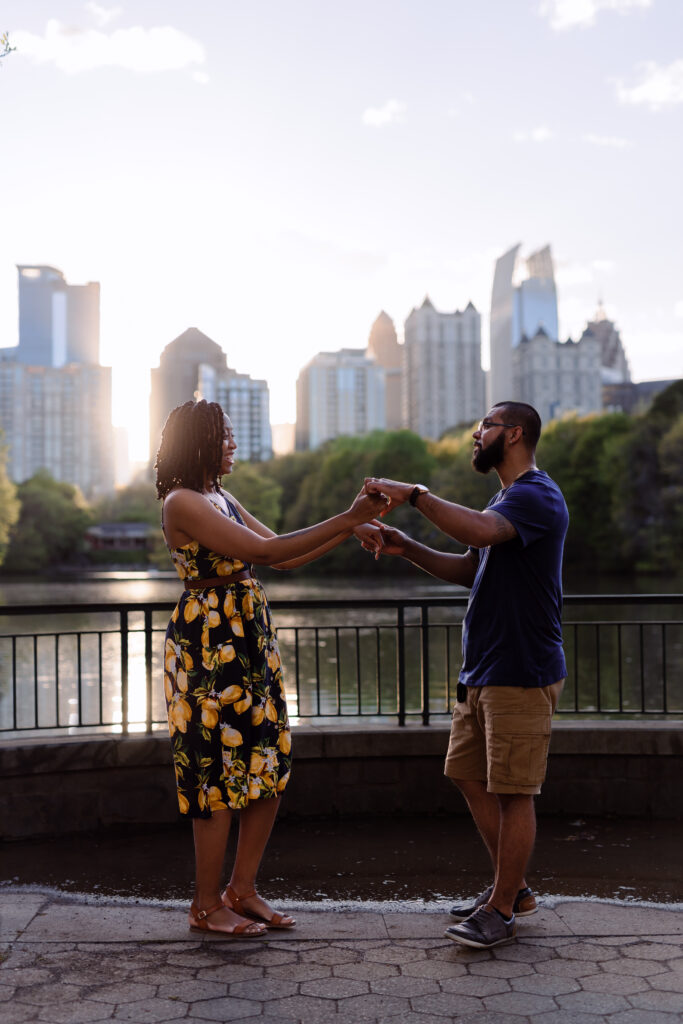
292	563
190	516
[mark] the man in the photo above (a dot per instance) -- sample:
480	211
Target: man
513	665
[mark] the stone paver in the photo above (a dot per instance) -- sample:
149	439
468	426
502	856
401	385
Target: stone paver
583	963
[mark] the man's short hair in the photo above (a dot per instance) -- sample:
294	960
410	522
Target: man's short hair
524	416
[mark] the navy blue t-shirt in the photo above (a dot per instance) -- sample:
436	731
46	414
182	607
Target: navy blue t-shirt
512	633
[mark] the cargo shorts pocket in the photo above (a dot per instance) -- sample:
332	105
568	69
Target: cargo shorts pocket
517	748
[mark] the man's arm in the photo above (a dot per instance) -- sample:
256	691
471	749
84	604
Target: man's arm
452	568
478	529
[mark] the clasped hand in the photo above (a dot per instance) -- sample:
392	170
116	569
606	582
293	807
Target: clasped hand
376	536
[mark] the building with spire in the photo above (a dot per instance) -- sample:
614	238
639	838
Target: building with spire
193	366
614	368
384	349
557	377
523	299
444	382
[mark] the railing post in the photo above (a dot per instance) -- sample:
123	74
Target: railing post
123	620
401	665
424	662
148	669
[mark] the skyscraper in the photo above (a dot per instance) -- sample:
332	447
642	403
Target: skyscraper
523	299
59	323
193	366
338	393
55	398
444	381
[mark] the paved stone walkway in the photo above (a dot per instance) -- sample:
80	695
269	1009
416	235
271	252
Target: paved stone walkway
78	960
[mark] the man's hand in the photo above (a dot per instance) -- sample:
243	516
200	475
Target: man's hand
381	539
394	542
370	537
396	492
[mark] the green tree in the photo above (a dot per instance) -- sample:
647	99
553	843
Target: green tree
9	503
646	505
137	503
579	453
51	526
258	492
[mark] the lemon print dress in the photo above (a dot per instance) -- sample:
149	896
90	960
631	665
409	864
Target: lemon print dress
227	712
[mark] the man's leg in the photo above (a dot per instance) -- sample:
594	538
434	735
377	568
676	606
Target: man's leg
507	833
485	810
515	844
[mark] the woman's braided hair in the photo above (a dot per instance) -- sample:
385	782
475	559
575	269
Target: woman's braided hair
191	449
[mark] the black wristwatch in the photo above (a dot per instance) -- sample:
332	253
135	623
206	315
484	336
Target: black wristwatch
417	490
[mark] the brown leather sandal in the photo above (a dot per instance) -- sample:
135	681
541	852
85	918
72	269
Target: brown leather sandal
198	919
232	900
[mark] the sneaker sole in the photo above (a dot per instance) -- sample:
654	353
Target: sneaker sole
479	945
526	913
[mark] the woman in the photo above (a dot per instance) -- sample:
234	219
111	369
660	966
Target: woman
223	676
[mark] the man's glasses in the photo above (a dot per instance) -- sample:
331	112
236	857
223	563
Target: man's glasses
485	424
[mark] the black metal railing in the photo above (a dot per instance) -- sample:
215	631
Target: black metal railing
99	667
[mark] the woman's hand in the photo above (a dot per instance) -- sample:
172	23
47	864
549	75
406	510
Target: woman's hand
366	506
396	491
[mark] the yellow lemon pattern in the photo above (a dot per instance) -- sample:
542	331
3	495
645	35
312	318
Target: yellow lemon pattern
225	696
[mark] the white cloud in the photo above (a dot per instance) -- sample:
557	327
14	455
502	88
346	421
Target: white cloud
613	141
565	14
540	134
391	113
678	309
658	87
102	15
146	50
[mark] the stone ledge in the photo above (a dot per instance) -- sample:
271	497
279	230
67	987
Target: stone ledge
334	742
71	784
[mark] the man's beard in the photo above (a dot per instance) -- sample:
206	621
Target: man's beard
485	459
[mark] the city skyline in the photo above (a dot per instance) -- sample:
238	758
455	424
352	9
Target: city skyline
224	169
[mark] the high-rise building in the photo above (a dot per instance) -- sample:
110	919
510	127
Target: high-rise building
444	381
192	366
247	402
59	323
556	378
59	419
55	398
384	349
338	393
523	299
614	366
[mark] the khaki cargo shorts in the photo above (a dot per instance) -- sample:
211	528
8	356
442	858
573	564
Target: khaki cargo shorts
500	735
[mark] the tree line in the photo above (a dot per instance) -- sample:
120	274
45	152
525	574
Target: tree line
622	477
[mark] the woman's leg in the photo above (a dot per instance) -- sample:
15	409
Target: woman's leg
210	841
256	823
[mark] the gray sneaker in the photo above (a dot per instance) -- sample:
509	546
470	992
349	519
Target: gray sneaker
483	929
524	906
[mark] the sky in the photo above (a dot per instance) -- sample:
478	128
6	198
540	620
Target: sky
277	172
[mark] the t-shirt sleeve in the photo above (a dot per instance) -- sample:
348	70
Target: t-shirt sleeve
532	510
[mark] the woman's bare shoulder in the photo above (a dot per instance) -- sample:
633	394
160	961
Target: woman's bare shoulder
183	497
